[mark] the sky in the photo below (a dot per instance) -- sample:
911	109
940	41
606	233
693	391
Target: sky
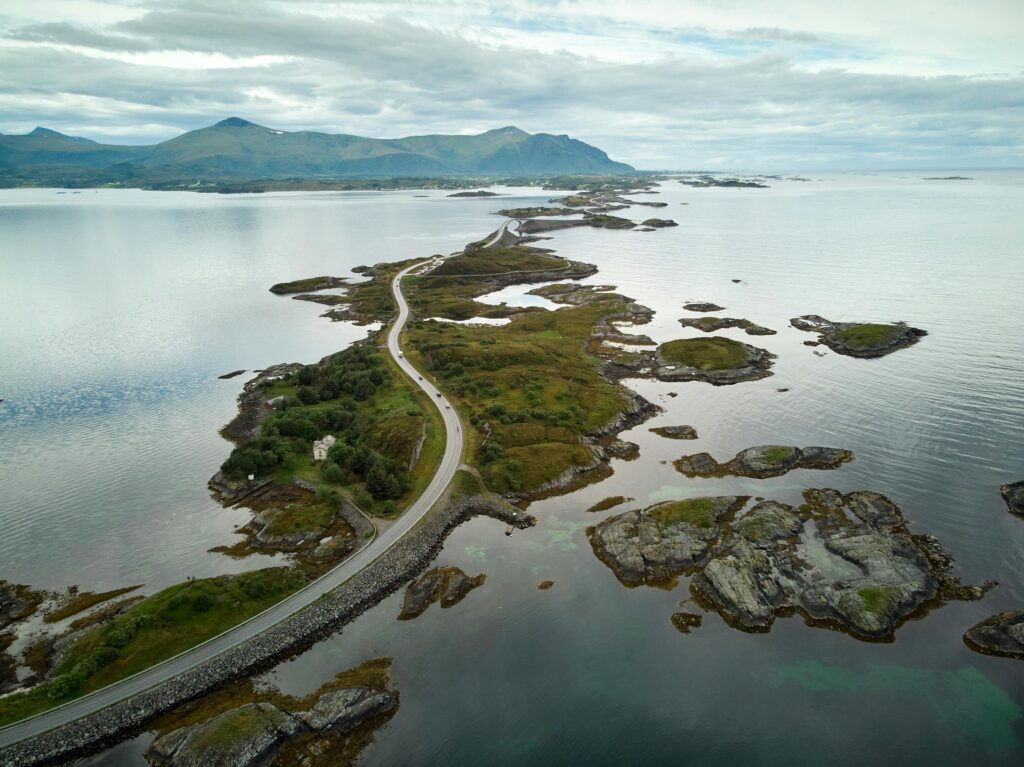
660	84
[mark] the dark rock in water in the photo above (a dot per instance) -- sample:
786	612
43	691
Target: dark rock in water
343	709
712	324
859	339
654	546
764	461
1013	494
610	502
479	193
686	621
240	737
447	585
545	585
845	562
737	281
703	307
659	223
812	343
226	376
644	229
675	432
1002	634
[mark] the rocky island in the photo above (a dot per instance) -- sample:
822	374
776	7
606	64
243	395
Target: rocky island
763	461
445	585
713	324
1013	494
716	360
859	339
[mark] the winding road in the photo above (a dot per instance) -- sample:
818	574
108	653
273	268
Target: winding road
173	667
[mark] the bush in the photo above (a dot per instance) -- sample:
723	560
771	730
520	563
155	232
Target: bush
202	602
307	396
333	473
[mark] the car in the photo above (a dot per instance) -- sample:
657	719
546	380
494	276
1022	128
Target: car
420	377
439	395
447	406
400	354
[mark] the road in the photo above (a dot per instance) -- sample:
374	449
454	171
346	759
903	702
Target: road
175	666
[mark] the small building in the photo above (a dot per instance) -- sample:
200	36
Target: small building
274	404
322	446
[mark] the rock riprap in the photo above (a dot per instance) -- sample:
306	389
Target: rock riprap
1002	634
763	461
653	546
1013	494
715	360
447	585
844	562
250	734
714	324
859	339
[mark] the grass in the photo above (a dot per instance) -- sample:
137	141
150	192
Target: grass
778	453
867	336
304	286
157	628
693	511
876	599
481	261
83	601
715	353
299	518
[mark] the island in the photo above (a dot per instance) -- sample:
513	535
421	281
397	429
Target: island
859	339
763	461
714	324
1001	634
1013	494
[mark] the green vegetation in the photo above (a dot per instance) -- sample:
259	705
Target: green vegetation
380	425
535	212
715	353
484	261
153	630
867	336
778	453
876	599
307	285
83	600
693	511
604	221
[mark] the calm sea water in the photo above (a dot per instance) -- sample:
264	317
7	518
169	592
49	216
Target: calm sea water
128	308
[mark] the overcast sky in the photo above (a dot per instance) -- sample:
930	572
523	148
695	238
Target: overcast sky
789	84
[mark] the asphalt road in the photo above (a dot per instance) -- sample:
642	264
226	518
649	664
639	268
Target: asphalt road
175	666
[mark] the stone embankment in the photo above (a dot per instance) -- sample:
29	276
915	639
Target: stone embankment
385	575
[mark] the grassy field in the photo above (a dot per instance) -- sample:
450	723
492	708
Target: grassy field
693	511
867	336
715	353
157	628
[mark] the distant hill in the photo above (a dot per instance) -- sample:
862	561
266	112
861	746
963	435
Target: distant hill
236	149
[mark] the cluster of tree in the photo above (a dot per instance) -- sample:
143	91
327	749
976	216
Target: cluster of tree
357	372
384	477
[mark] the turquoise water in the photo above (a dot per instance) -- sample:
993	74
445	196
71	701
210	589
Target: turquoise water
589	671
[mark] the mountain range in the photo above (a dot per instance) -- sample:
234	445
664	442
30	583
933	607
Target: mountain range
236	149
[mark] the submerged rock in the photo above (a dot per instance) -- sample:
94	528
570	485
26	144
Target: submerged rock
237	738
675	432
1013	494
447	585
1002	634
686	621
764	461
653	546
859	339
842	561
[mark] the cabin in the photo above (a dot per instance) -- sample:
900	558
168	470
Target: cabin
273	404
322	446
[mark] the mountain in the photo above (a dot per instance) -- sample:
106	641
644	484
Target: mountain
236	149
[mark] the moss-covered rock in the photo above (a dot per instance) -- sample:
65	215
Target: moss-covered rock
716	360
860	339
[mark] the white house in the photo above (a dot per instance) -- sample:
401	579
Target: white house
321	446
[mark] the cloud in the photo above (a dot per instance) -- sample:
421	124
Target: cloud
381	70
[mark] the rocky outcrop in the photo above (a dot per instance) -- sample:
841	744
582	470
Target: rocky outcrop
308	285
763	461
653	546
446	585
755	363
703	307
675	432
686	622
713	324
249	735
251	410
241	737
845	562
1013	494
1001	634
17	602
659	223
859	339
